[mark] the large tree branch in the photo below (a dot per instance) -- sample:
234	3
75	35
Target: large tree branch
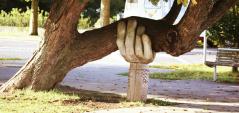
97	43
196	19
174	40
218	10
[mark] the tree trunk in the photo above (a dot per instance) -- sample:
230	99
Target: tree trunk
63	48
34	18
105	12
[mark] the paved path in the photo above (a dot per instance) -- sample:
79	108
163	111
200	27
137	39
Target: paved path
194	95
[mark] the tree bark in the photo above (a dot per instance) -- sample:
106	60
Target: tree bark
105	12
63	48
33	26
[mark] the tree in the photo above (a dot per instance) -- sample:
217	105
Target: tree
33	26
226	32
93	6
105	12
64	48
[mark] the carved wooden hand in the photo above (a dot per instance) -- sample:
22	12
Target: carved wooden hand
135	47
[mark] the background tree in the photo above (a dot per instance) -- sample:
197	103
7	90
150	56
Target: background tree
93	9
225	33
64	48
105	12
33	26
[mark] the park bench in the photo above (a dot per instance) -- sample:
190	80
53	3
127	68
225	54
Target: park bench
224	57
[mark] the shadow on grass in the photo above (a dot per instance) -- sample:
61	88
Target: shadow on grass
94	96
107	100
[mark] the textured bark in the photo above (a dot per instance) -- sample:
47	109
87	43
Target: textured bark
63	48
33	26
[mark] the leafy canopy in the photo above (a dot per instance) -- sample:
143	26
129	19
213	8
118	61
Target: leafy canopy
226	32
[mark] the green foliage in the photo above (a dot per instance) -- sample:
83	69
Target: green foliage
154	2
184	2
225	33
92	10
19	18
84	22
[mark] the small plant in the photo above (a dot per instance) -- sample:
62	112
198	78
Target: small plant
17	17
84	22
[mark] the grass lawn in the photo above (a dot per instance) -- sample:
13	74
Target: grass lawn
67	100
10	59
194	72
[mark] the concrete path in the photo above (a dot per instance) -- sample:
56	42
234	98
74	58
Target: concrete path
194	95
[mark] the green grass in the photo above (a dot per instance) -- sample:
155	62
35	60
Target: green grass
35	102
56	101
10	59
193	72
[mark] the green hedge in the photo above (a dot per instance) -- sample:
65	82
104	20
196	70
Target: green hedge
18	18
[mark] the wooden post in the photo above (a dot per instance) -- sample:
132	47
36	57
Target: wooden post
204	48
215	73
138	82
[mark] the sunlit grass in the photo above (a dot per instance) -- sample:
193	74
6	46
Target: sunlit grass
55	101
35	102
193	72
10	59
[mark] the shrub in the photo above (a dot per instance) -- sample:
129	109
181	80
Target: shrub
19	18
84	22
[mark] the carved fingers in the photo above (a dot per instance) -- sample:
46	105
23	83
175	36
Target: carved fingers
134	45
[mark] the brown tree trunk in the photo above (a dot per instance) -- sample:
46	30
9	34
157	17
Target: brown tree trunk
33	26
63	48
105	12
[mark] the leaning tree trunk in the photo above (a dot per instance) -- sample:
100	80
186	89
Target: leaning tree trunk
34	18
63	48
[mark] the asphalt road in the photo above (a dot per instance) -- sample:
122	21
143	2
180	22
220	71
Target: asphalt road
24	47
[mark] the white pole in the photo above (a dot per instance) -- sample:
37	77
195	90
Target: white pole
204	48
